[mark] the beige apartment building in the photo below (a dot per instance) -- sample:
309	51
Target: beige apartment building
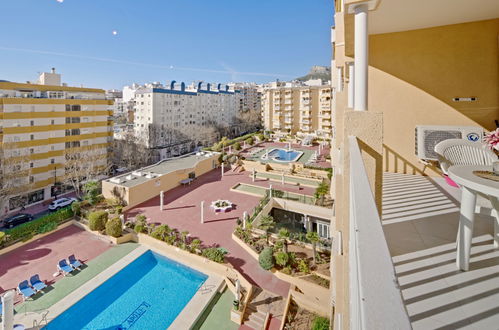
397	65
292	108
49	132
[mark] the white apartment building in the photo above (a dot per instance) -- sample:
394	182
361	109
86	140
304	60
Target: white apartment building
41	125
176	118
250	96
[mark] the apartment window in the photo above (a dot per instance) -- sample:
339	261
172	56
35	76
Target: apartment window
31	179
16	138
32	123
68	107
52	148
32	136
75	144
76	107
67	132
68	120
52	122
31	151
68	145
75	120
36	196
52	161
31	165
75	131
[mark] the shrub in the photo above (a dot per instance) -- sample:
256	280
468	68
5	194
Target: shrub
286	270
97	220
195	245
162	232
281	258
214	254
266	258
237	146
92	191
114	227
303	266
76	208
260	137
27	230
141	219
320	323
49	226
139	228
118	209
2	236
250	141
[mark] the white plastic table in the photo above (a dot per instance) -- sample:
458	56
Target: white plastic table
471	185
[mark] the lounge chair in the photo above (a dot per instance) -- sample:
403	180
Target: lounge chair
64	267
75	263
36	283
24	289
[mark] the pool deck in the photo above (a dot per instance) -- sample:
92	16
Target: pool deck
182	211
41	256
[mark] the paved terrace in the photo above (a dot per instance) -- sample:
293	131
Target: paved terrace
420	221
41	257
182	211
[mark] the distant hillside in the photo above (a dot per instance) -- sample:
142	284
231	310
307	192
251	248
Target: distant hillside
317	72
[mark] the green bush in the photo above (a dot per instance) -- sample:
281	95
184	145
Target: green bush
76	208
320	323
118	209
139	228
28	229
114	227
237	146
49	226
281	258
92	190
195	245
97	220
266	258
260	136
214	254
250	141
303	266
162	232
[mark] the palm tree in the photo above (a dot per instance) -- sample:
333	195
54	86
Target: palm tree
321	191
267	223
284	235
313	237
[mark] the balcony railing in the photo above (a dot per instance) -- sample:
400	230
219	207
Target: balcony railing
375	298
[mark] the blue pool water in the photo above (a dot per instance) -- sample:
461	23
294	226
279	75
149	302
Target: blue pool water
282	155
147	294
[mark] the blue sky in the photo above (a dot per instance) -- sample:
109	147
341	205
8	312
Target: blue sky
161	40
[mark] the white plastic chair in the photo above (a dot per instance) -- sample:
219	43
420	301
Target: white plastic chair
462	152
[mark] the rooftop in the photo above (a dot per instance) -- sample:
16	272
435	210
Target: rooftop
161	168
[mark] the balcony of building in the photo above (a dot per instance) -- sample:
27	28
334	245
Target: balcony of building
288	126
288	108
304	121
325	115
403	263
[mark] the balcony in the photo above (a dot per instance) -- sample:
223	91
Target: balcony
288	120
326	123
288	108
325	115
413	244
305	121
288	127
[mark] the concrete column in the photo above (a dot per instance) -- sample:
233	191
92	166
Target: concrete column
222	169
361	58
253	176
270	191
161	200
230	149
282	179
339	79
8	310
245	216
351	88
202	211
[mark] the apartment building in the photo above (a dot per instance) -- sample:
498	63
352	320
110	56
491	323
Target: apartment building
250	96
296	108
397	65
175	118
43	126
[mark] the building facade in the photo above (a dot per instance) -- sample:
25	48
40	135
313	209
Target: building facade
176	118
44	127
295	108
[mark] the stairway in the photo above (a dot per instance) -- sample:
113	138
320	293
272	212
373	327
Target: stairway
254	318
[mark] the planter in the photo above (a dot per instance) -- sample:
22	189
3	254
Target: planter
245	246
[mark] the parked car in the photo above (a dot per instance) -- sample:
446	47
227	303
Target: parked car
17	219
60	203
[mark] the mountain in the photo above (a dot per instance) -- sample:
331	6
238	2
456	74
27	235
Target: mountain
317	72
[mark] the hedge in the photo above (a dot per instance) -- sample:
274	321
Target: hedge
97	220
114	227
235	140
41	225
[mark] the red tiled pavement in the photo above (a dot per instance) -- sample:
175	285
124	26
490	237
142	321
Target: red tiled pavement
182	211
41	256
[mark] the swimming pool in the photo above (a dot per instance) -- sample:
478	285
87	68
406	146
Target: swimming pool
282	155
149	293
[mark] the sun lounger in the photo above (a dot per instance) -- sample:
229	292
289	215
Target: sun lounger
75	263
36	283
24	289
64	267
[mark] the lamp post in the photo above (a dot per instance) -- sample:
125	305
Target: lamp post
55	181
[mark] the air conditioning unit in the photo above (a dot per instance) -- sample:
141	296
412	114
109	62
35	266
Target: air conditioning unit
428	136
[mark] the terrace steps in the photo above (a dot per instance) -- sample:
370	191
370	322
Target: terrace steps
254	318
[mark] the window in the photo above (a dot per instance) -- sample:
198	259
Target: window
323	230
68	145
32	136
31	165
31	179
68	120
75	107
36	196
52	161
32	123
31	151
52	122
75	120
68	107
75	131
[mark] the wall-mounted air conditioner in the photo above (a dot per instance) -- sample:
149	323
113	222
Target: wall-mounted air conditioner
428	136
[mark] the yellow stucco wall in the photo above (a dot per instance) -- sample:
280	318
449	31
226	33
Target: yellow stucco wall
149	189
414	75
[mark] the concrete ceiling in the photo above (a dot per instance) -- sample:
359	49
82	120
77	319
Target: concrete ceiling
403	15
